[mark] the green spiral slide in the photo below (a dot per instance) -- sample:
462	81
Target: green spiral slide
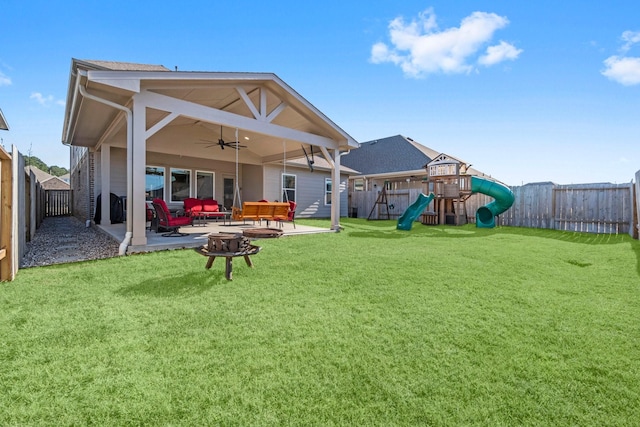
406	219
486	215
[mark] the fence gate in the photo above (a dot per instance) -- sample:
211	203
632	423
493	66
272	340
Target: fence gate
57	202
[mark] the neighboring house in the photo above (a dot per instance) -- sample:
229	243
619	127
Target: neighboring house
46	180
143	131
397	160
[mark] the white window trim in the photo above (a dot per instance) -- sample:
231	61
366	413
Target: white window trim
284	189
327	180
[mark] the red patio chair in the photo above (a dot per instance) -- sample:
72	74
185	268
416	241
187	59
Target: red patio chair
167	221
290	215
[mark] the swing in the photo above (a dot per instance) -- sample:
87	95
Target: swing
236	208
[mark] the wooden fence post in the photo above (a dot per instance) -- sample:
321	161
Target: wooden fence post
6	199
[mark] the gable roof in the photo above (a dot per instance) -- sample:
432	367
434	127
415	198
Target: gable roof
41	175
55	183
386	155
48	181
194	106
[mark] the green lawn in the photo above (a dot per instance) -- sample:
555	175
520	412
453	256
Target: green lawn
443	326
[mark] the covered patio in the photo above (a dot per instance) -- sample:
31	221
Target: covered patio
197	234
234	131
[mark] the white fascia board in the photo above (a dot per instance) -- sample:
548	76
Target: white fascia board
115	79
351	142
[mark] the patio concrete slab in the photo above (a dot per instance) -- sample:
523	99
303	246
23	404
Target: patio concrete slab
197	234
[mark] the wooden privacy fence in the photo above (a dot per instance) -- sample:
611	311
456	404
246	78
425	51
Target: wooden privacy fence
593	208
57	202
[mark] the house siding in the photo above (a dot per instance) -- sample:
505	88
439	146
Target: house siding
309	191
82	180
220	170
253	178
261	182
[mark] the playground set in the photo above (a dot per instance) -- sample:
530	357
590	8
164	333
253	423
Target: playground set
449	188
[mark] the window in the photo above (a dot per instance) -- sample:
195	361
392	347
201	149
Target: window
180	184
327	191
288	187
154	183
443	169
358	184
205	185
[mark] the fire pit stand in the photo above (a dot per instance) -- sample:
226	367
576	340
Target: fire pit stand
228	245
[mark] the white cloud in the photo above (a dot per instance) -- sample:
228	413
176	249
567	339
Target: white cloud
46	101
624	69
498	53
420	48
630	38
4	80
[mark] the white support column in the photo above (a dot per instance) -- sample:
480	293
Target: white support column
105	184
335	191
136	212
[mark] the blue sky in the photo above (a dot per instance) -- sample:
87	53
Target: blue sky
525	91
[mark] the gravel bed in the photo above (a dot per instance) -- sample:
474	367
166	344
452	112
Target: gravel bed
67	239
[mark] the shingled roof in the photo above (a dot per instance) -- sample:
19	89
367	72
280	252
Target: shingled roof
48	181
386	155
123	66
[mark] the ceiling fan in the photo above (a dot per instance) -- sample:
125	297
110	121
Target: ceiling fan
222	143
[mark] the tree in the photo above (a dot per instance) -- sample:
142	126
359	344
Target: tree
36	162
58	171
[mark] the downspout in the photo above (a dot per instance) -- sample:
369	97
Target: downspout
127	237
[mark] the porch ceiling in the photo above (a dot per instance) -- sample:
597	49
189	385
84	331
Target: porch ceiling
275	108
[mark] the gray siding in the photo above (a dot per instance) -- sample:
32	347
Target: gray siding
252	176
256	182
309	191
